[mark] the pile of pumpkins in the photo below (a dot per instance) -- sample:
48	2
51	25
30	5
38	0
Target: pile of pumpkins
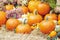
36	15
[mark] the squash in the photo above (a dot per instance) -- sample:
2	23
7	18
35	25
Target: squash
11	24
46	26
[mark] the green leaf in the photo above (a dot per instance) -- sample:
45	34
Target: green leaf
52	3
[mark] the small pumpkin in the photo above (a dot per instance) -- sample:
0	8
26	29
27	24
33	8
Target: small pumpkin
34	18
9	7
51	16
53	34
11	24
43	8
23	28
2	18
24	9
46	26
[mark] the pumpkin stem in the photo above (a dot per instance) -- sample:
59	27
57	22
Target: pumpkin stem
47	18
35	12
42	0
24	21
51	11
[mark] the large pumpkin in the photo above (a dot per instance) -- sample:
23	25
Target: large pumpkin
23	28
47	26
2	18
11	24
43	8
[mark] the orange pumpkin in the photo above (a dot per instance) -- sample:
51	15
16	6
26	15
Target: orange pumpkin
51	16
24	9
23	28
34	18
32	5
47	26
11	24
9	7
2	18
43	8
59	17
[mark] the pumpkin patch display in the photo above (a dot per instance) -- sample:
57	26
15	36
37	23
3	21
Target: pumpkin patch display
11	24
30	19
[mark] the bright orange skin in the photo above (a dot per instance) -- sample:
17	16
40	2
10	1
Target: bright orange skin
47	26
23	28
59	17
43	8
33	19
24	9
11	24
9	7
2	18
32	5
51	16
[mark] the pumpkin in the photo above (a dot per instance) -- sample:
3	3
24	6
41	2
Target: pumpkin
52	16
43	8
34	18
2	18
9	7
23	28
11	24
53	34
32	5
46	26
59	17
24	9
